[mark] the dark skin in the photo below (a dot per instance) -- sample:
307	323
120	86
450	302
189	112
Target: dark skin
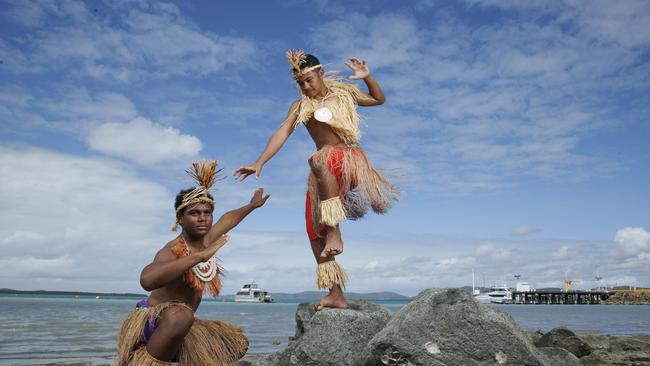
313	86
164	276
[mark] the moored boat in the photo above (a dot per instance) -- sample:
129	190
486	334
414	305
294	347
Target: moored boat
250	292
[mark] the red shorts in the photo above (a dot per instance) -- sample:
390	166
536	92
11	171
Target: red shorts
334	165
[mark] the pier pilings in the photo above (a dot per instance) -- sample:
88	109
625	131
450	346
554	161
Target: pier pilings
559	297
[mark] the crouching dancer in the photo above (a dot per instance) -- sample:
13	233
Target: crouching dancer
162	328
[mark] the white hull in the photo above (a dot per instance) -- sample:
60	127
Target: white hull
252	294
499	294
248	299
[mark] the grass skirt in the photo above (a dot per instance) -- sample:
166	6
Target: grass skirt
361	187
209	342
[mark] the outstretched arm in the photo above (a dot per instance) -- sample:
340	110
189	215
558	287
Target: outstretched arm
374	96
166	268
232	218
276	141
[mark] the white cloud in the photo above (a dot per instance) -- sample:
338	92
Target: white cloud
526	229
563	252
76	108
26	13
66	217
632	241
625	22
143	141
491	253
517	99
87	220
152	40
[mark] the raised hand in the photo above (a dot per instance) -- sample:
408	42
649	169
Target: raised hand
359	67
259	199
213	247
244	171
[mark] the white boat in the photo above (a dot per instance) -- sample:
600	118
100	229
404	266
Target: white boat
500	294
250	292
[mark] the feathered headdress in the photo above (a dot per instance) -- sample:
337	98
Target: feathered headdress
204	174
296	58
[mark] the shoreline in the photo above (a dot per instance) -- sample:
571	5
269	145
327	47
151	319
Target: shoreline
630	347
102	362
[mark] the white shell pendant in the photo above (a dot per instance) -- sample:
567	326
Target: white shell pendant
323	114
206	271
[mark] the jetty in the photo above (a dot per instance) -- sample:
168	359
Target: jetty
559	297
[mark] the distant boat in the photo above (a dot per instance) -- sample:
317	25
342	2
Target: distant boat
250	292
500	294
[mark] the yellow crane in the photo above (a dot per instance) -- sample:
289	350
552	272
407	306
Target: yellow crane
568	283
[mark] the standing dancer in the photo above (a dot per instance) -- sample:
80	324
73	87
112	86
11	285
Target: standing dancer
342	183
162	328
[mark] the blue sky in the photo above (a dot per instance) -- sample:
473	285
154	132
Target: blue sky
517	131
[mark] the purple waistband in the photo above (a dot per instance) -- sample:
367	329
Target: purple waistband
143	305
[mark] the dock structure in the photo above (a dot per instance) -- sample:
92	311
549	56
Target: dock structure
559	297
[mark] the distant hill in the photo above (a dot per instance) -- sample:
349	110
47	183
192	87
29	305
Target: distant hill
312	296
66	293
469	289
315	295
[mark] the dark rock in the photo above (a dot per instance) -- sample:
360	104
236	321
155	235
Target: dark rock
617	350
628	343
598	357
564	338
533	337
560	356
332	337
448	327
596	341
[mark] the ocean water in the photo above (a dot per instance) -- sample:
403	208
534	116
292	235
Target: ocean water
47	329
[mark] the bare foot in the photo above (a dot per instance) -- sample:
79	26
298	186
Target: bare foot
333	243
331	301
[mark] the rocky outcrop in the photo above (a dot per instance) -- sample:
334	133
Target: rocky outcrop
566	339
447	327
330	337
560	356
630	297
617	350
441	327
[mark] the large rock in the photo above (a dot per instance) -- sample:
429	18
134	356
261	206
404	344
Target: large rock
331	337
562	337
448	327
629	343
560	356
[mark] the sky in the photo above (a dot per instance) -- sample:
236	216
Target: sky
518	133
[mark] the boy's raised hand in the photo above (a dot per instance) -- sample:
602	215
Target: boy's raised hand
244	171
359	67
259	199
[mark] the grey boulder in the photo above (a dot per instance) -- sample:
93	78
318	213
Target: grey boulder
560	356
564	338
448	327
331	337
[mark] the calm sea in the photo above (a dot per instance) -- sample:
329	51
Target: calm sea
39	330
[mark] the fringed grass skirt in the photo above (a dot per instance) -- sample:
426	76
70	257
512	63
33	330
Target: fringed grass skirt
361	187
208	343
